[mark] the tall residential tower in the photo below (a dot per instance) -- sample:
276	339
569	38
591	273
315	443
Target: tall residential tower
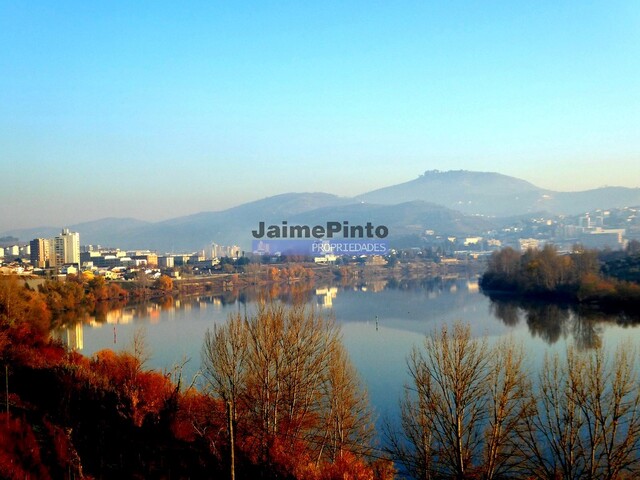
66	248
40	256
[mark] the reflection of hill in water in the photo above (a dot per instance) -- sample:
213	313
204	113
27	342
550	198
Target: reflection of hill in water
552	321
414	306
430	289
407	303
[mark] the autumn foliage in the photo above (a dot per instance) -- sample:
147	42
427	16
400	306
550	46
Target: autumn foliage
164	284
19	450
283	380
579	276
108	416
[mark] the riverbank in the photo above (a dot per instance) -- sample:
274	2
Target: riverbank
577	278
108	416
269	276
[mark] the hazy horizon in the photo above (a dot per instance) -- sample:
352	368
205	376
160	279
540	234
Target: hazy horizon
188	213
164	110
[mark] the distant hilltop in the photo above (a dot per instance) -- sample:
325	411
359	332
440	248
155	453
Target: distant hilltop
495	194
456	202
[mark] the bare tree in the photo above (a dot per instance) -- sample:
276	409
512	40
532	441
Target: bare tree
510	404
348	422
308	342
413	446
224	360
463	409
551	440
138	348
470	411
449	377
289	379
587	422
457	365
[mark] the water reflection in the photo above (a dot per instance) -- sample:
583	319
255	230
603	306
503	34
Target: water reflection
552	321
381	320
417	306
71	336
325	296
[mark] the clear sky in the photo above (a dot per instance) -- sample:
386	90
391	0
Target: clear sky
159	109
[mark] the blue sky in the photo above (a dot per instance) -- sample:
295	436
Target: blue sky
159	109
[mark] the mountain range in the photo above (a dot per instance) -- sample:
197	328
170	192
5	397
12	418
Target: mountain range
450	203
494	194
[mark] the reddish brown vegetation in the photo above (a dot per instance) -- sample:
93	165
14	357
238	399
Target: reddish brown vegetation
108	417
19	450
576	277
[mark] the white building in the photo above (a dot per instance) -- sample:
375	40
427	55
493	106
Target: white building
603	238
219	251
527	243
66	248
40	253
165	262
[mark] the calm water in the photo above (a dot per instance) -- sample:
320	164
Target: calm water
380	324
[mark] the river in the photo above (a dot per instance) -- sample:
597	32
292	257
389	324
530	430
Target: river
380	322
